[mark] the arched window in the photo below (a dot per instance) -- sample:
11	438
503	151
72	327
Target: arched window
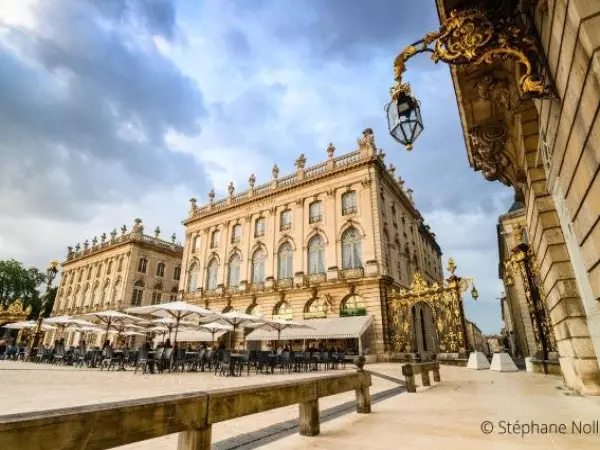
258	266
193	277
254	310
157	294
212	272
259	227
314	309
196	244
233	280
173	296
316	255
283	310
285	258
142	265
351	252
160	269
353	305
138	293
177	273
116	292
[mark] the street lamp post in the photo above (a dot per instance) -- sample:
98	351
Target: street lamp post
470	37
461	284
51	272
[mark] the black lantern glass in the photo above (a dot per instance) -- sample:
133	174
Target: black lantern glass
404	119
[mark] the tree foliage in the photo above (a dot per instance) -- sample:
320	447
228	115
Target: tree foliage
20	282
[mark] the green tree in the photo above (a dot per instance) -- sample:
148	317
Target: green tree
20	282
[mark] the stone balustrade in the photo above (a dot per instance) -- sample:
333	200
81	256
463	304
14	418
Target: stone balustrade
191	415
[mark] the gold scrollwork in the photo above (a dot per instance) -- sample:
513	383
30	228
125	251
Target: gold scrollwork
469	37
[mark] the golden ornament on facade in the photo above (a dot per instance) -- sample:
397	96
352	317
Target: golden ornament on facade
14	312
469	36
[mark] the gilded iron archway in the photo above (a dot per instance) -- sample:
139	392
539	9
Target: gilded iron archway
446	306
14	313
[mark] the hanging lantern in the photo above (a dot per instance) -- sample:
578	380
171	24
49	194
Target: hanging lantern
404	119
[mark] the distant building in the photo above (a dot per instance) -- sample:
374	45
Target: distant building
495	344
327	241
477	341
117	271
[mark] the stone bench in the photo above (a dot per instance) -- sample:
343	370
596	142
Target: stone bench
410	370
190	415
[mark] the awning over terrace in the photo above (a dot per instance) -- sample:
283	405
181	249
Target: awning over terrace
334	328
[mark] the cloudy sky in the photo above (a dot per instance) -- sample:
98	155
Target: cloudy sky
116	109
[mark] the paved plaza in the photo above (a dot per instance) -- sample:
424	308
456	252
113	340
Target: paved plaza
448	415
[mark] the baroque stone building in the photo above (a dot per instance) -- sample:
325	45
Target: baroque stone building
118	271
330	240
528	91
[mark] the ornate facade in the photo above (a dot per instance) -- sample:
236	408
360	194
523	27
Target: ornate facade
118	271
528	90
328	240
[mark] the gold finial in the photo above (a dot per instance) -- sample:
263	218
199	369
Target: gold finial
451	266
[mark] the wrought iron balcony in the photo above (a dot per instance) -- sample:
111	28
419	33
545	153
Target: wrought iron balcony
284	283
317	278
357	272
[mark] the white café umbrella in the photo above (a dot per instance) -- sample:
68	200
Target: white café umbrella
132	333
177	310
279	325
27	324
215	327
110	318
235	319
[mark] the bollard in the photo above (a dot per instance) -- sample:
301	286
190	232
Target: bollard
425	376
309	418
363	395
409	377
436	372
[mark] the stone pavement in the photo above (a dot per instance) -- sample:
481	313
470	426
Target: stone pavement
448	415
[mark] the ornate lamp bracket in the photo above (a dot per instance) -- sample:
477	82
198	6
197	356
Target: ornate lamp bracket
473	37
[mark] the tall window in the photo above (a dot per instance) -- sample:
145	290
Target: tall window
398	249
173	296
386	252
94	298
285	220
142	265
196	244
109	268
349	203
116	292
89	273
160	269
177	273
315	212
138	293
104	299
99	270
215	239
285	258
258	266
316	255
233	280
193	277
236	233
212	272
120	265
157	294
80	276
259	227
351	252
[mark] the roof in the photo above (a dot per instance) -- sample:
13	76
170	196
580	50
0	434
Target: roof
334	328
